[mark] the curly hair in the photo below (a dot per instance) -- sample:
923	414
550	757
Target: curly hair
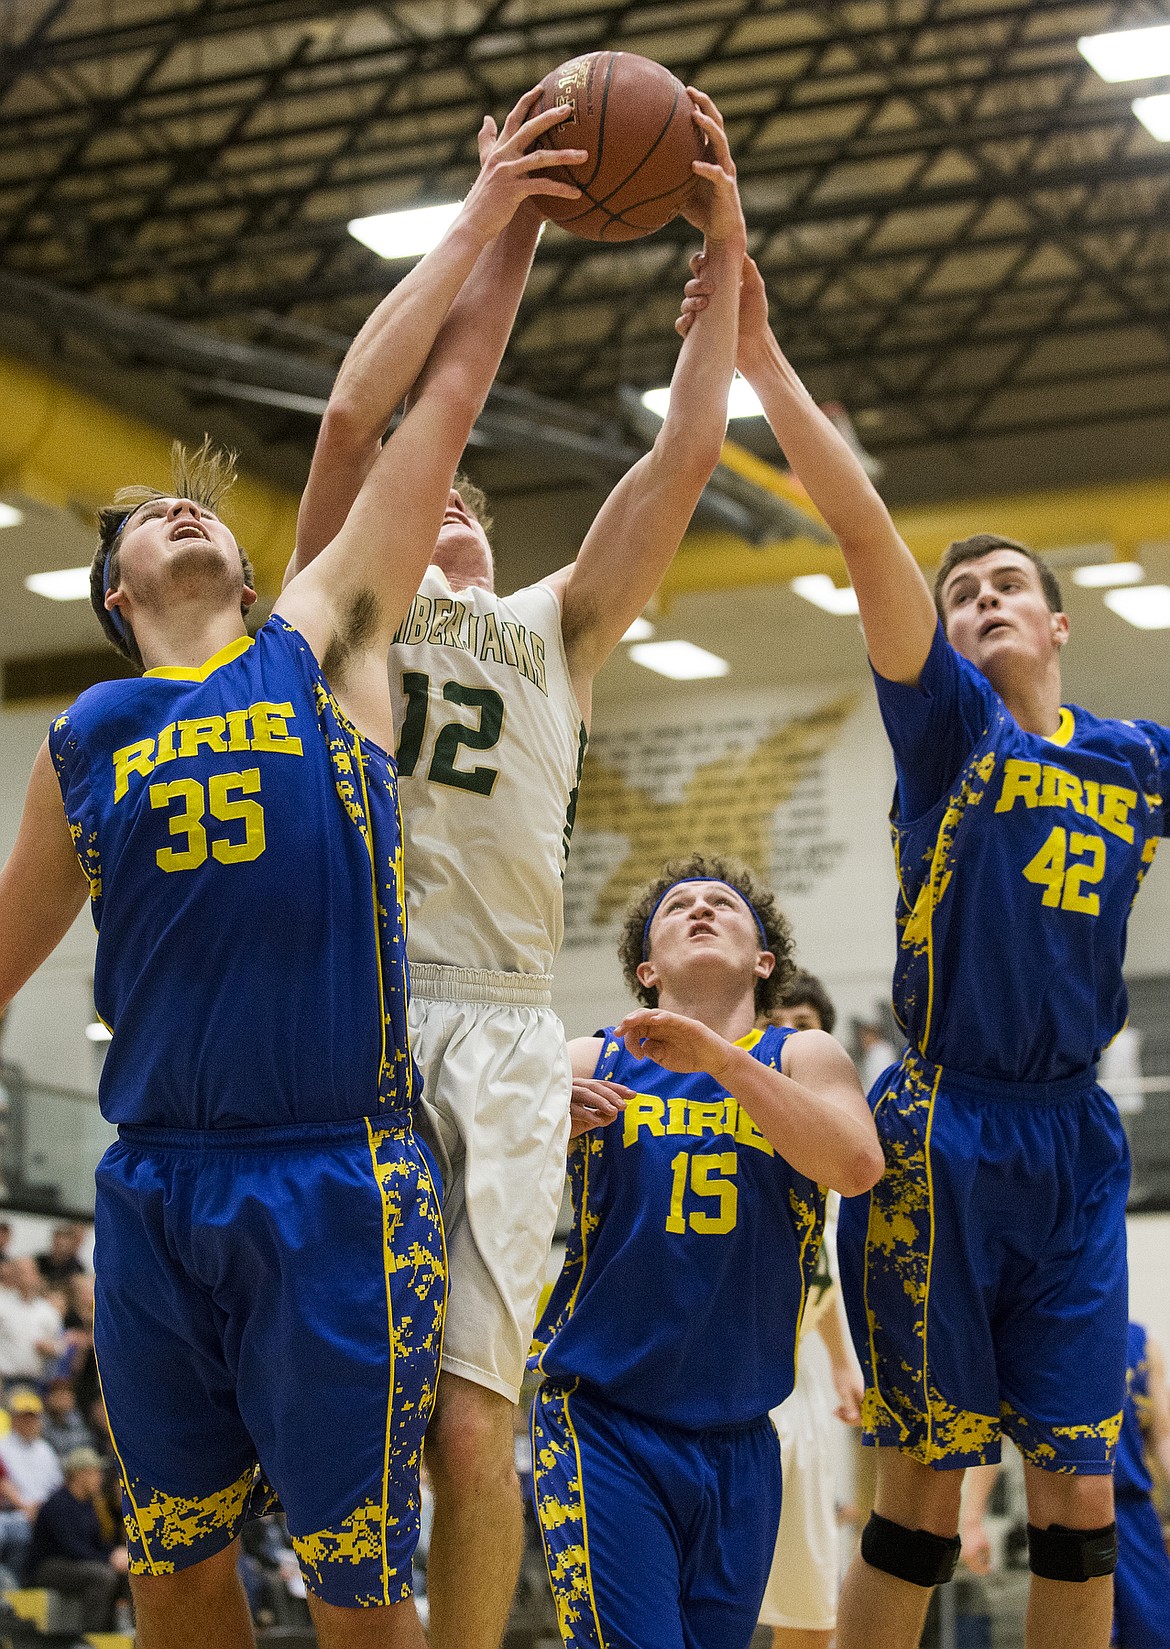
806	991
204	476
704	867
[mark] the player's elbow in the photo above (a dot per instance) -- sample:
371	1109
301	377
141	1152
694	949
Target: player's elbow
860	1169
690	448
345	427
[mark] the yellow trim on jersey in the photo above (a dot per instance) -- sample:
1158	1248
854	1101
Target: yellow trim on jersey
387	1249
200	672
368	838
869	1319
750	1040
929	1266
584	1523
1068	726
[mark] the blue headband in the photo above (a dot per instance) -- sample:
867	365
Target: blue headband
112	613
682	882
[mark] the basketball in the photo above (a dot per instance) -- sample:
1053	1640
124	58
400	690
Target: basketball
634	118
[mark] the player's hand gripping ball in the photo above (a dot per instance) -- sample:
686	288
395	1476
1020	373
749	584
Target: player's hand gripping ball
637	123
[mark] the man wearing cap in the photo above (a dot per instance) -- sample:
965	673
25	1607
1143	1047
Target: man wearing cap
28	1459
69	1553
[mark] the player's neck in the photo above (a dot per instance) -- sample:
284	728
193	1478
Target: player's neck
1033	696
727	1010
185	637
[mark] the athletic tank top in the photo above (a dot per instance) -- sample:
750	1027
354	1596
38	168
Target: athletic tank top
490	746
244	857
693	1250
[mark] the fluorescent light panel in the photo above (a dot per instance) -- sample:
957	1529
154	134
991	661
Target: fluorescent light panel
640	630
1154	114
407	234
680	660
69	584
742	400
1102	575
1128	54
10	516
823	593
1145	606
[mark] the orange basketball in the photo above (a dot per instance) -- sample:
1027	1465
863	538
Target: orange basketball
634	118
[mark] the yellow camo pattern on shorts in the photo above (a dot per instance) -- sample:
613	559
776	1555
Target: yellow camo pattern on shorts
365	1560
560	1511
159	1525
969	1317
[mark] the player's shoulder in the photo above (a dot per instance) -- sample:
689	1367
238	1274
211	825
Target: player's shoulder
1113	736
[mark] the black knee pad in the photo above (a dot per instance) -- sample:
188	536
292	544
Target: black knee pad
916	1555
1057	1553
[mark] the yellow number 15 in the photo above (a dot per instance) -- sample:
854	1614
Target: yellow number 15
188	820
710	1177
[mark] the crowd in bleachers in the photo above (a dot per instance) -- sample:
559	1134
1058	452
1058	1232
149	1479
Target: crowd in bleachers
60	1497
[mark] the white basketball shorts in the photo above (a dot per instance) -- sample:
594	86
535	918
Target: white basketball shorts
495	1111
803	1584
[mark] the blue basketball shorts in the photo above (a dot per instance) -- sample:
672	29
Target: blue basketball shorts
655	1537
269	1316
1141	1586
985	1273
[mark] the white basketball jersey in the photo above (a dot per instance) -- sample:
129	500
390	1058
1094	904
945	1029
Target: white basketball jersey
490	746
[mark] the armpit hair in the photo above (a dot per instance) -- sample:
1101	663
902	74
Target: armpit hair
359	621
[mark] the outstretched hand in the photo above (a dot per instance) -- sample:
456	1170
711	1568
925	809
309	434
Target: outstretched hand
753	305
595	1103
714	205
674	1042
512	171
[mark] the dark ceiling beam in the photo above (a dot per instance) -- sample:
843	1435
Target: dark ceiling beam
830	87
250	15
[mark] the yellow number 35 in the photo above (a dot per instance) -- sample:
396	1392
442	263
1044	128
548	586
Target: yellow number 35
218	801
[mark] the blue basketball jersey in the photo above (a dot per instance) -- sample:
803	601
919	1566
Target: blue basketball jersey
243	849
691	1255
1131	1472
1018	859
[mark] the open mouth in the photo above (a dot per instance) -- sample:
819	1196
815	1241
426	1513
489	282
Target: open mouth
992	626
189	530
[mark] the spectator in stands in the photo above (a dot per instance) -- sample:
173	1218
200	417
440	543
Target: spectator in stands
5	1241
64	1428
63	1261
31	1331
79	1361
15	1534
32	1467
69	1553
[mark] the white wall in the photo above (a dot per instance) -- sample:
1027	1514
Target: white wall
1149	1262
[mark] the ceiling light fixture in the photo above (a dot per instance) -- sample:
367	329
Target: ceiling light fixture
1103	574
1146	606
640	630
1128	54
829	597
408	234
680	660
68	584
1154	114
10	516
742	400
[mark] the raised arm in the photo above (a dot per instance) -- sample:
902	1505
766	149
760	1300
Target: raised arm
897	609
639	528
813	1110
349	599
42	886
385	359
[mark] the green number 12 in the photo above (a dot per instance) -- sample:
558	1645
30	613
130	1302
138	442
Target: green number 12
485	735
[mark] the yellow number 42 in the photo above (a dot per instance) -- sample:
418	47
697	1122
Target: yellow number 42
711	1177
1062	876
188	821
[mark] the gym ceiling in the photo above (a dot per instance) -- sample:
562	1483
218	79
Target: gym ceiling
965	233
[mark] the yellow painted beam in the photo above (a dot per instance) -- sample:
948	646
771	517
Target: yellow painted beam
780	483
67	449
1126	516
